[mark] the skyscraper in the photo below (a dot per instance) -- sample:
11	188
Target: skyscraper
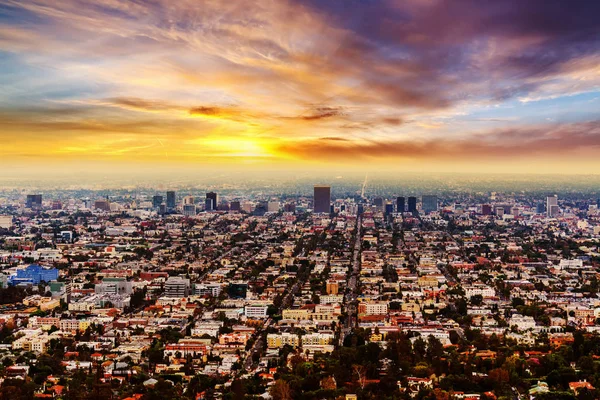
389	208
189	210
552	206
34	201
322	199
412	204
157	201
400	204
539	208
261	207
215	201
171	200
430	203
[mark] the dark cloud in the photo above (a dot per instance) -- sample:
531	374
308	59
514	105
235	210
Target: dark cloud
141	104
392	120
208	111
322	113
433	54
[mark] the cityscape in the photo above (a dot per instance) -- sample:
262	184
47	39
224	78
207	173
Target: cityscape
300	200
169	295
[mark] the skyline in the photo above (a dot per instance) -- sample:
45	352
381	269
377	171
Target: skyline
435	86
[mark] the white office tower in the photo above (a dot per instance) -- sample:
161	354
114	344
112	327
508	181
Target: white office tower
552	206
177	287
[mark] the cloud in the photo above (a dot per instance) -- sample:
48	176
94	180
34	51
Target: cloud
319	113
545	140
304	71
141	104
334	139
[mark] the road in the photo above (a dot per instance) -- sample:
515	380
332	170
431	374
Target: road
352	292
364	186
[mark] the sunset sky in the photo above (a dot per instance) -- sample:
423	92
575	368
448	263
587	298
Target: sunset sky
431	85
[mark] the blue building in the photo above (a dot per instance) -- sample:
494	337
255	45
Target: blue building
34	274
429	203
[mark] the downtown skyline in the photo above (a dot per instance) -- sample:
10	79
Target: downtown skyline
435	86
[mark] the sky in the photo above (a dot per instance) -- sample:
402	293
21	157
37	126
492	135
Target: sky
405	85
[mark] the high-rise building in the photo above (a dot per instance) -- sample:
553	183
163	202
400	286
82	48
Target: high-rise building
215	201
551	206
261	207
103	205
389	208
157	201
189	210
429	203
486	209
247	206
378	202
273	206
322	199
34	201
188	200
540	208
235	206
209	204
400	204
412	204
360	209
171	200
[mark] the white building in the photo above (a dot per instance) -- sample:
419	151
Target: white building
481	290
552	206
255	311
113	286
177	287
210	289
522	322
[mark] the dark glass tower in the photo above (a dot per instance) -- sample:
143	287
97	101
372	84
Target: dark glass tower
412	204
171	200
400	204
322	199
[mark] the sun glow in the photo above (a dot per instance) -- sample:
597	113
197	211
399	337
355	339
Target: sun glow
235	147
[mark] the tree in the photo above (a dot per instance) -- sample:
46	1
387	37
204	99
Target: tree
328	383
281	390
238	390
477	300
361	375
500	378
